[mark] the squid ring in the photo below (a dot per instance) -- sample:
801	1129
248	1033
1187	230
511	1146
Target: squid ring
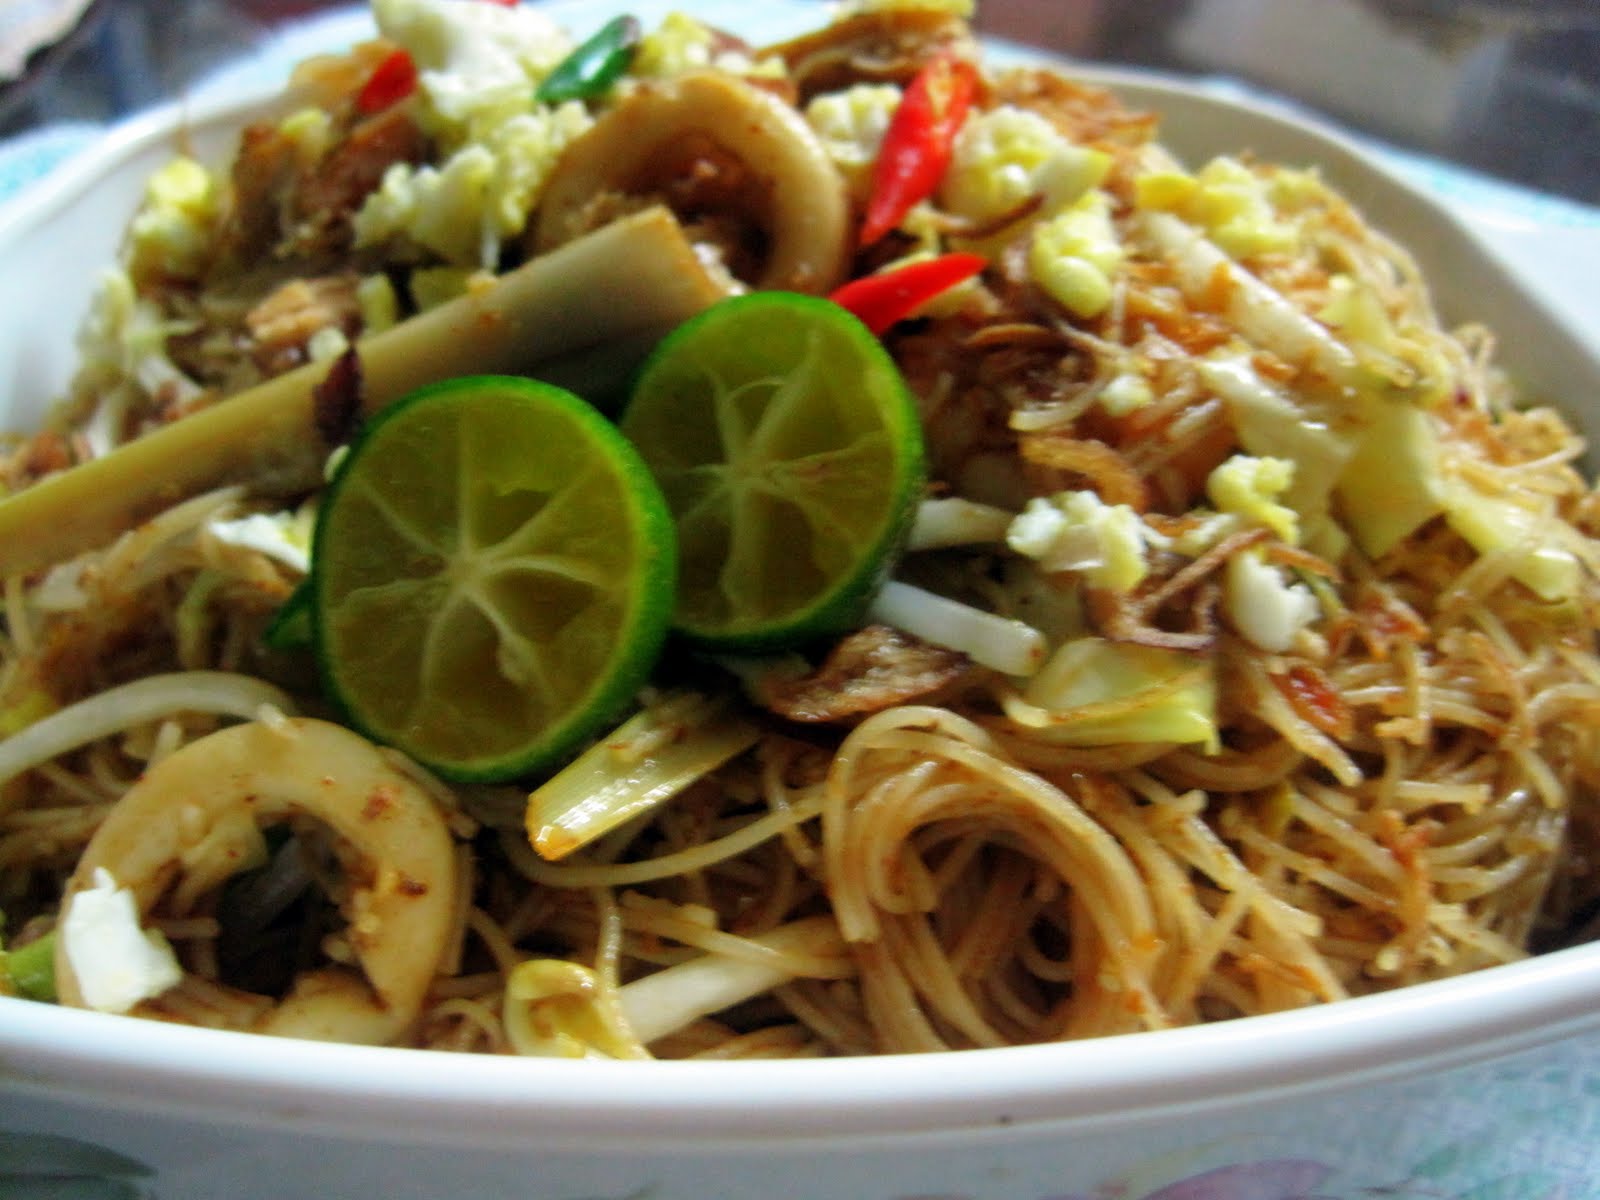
195	818
787	181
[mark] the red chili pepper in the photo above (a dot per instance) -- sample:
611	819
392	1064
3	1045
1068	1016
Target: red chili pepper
881	300
917	145
391	81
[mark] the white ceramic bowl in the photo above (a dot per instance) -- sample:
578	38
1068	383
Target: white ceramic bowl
1484	1086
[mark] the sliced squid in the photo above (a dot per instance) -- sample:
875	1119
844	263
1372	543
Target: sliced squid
196	818
742	170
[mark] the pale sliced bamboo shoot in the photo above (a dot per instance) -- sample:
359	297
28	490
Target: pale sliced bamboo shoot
649	759
602	299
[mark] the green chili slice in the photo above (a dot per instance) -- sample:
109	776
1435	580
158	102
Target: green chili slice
594	66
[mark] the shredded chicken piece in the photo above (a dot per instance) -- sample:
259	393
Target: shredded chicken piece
330	195
283	324
286	205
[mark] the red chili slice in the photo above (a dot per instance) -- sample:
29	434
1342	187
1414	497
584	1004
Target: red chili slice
881	300
917	146
391	81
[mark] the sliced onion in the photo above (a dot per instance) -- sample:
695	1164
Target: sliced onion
1000	643
137	703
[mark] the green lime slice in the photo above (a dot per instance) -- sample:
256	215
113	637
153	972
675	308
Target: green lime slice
290	627
790	451
493	576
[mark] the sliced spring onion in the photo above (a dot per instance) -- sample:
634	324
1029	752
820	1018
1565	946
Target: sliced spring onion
595	65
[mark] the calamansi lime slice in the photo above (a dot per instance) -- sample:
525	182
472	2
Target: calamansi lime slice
790	451
290	626
493	576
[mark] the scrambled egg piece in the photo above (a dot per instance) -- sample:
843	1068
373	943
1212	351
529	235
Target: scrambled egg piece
1249	487
1127	392
171	235
1077	531
681	44
464	209
477	63
851	125
1235	205
1075	255
1004	156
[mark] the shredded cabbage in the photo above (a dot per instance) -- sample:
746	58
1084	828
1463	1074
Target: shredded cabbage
1095	692
1264	606
122	345
1392	486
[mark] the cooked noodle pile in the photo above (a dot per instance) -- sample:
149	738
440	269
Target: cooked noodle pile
1292	757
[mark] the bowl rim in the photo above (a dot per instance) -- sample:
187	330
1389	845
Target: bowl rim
499	1101
487	1101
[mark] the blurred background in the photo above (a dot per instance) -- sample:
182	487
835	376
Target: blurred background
1509	87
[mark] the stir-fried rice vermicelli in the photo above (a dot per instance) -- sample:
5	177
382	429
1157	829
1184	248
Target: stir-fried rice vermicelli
1314	595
